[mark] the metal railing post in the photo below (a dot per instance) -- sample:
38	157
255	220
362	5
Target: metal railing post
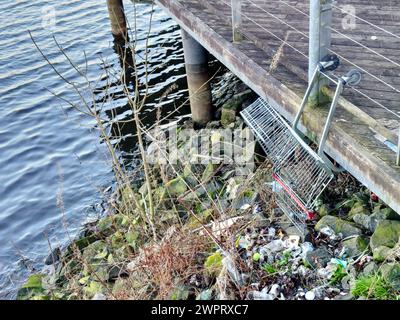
236	19
398	151
320	42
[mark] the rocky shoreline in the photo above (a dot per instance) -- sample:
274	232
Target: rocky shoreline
220	236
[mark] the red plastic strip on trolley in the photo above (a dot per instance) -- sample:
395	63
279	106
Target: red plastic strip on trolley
310	214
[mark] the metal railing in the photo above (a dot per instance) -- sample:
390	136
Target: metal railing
320	17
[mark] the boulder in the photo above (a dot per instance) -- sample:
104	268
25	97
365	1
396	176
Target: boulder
245	199
363	220
370	268
391	272
387	233
369	222
324	210
355	246
53	257
381	253
176	187
338	225
386	213
318	258
228	116
358	208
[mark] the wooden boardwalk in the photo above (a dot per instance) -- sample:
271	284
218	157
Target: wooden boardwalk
273	61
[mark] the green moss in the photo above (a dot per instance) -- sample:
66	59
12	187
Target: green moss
176	187
373	287
358	208
337	275
268	268
213	264
387	234
33	287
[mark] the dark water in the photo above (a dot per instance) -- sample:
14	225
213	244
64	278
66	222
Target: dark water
48	150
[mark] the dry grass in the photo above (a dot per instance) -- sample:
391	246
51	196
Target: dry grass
160	268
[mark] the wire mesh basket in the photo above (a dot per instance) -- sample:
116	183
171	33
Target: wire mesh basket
271	132
299	172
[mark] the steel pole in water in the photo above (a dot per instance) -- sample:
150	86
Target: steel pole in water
117	18
198	79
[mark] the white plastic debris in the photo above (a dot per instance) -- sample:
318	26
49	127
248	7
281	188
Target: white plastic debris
329	232
292	242
302	271
271	232
220	227
233	272
306	247
257	295
275	245
99	296
310	295
274	290
324	273
245	206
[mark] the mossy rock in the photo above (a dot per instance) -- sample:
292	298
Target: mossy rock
387	233
106	225
381	253
355	246
33	287
96	251
324	210
159	194
213	264
176	187
201	219
92	288
117	239
228	116
169	216
189	175
391	272
358	208
388	214
180	293
81	243
338	225
127	196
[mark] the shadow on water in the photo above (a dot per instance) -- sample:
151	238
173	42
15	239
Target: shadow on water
169	102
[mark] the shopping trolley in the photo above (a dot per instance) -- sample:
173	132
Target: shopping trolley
300	174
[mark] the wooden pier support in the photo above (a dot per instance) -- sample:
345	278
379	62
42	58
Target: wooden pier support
117	19
198	78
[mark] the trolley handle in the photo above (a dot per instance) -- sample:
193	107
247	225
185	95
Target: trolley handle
329	63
